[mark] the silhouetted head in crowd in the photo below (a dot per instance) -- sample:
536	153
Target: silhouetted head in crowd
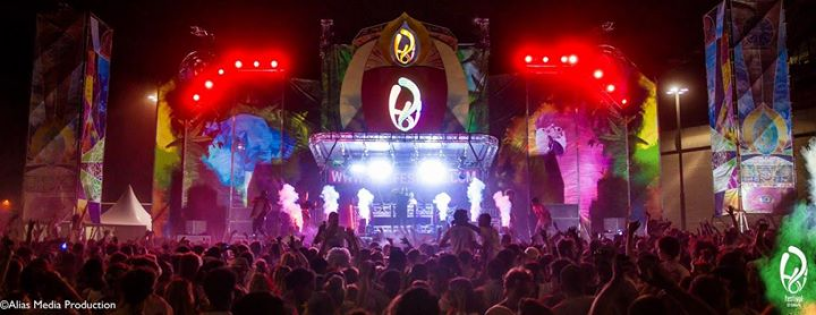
518	283
219	286
300	283
566	248
392	282
647	305
179	294
136	286
572	282
484	220
335	286
320	303
339	258
257	302
462	298
495	270
711	290
530	306
334	219
460	216
668	248
414	301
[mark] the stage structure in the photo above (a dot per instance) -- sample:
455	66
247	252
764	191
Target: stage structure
404	111
67	117
223	136
749	107
585	138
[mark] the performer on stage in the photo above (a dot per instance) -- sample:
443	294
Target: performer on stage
260	208
305	210
403	198
543	217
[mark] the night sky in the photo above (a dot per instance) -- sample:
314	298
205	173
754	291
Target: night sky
664	38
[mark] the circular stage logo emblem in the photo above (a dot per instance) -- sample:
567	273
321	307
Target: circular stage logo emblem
407	117
405	46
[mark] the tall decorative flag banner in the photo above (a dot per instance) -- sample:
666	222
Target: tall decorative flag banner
67	113
94	113
749	106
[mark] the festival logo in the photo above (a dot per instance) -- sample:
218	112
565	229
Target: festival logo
405	46
407	117
793	281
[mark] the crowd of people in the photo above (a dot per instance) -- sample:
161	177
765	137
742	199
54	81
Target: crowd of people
468	269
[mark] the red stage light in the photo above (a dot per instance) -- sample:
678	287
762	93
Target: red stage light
274	64
196	97
528	59
624	101
239	64
564	59
256	63
220	71
573	59
208	84
545	59
598	74
610	88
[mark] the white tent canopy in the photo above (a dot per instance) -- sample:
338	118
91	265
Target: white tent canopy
127	212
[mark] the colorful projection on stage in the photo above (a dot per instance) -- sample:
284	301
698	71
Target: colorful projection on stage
68	106
749	107
239	144
227	161
604	159
406	117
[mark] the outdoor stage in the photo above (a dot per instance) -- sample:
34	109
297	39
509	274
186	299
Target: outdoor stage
429	167
406	114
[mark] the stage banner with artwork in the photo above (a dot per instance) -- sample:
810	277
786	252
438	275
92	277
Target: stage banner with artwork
405	76
66	115
98	46
722	114
753	32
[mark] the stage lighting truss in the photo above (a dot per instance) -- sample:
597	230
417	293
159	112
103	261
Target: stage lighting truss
595	68
209	85
362	153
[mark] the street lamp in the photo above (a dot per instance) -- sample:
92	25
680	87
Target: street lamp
677	91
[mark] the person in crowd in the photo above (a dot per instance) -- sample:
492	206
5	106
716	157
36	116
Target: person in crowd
518	284
179	294
219	286
668	249
460	234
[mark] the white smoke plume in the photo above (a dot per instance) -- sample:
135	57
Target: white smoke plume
364	200
504	205
441	201
474	193
287	199
809	153
330	196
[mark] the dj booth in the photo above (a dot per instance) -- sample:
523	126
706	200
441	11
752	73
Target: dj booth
420	216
